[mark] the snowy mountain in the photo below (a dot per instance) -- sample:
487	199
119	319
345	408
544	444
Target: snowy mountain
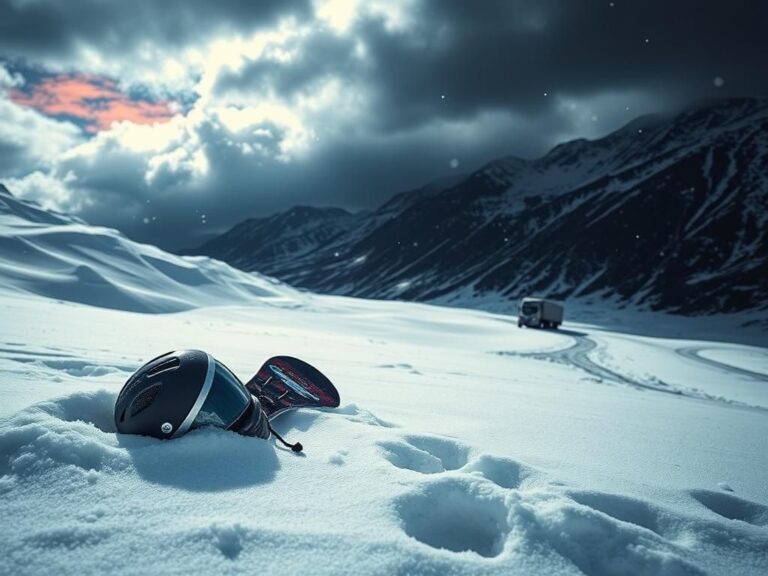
273	244
463	445
275	241
665	213
59	256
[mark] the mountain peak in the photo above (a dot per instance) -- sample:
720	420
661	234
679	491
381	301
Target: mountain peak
665	213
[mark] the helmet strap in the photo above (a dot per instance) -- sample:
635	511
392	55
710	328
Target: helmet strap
297	447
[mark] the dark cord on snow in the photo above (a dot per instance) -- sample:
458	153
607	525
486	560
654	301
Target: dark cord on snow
297	447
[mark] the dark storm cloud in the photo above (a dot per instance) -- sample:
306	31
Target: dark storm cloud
50	27
354	173
506	55
456	80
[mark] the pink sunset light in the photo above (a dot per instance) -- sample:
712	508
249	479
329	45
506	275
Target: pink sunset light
95	101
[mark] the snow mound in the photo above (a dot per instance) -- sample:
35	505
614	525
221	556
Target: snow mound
370	498
58	256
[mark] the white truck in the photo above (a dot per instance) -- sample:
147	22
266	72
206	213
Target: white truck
539	313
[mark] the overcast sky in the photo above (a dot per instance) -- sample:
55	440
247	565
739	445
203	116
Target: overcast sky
174	119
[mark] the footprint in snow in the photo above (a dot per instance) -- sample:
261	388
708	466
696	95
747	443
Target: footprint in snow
629	510
462	513
593	541
456	514
426	454
435	454
408	457
504	472
465	512
732	507
473	505
354	413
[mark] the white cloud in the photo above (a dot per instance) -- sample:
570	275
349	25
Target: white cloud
591	116
181	164
30	141
52	192
9	80
341	15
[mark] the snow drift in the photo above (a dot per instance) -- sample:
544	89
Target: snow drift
58	256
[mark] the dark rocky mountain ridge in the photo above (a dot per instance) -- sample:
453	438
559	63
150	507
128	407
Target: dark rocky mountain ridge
667	213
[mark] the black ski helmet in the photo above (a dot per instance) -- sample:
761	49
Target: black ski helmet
183	390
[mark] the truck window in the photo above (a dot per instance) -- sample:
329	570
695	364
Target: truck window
529	309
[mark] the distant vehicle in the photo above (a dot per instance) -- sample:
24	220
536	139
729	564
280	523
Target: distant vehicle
539	313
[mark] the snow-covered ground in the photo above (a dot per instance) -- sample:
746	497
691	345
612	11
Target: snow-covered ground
463	445
624	444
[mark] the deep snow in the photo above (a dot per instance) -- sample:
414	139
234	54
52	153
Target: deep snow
463	445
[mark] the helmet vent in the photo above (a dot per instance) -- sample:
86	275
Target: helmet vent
170	364
145	399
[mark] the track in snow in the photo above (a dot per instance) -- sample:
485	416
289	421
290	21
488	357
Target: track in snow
692	353
577	356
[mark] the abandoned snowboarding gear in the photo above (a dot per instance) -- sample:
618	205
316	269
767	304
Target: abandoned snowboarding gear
183	390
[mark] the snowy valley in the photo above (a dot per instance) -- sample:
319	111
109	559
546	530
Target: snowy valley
626	443
666	213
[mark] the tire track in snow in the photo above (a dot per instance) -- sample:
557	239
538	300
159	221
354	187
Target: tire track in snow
693	353
577	356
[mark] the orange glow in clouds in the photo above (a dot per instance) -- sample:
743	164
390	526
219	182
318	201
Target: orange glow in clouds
93	100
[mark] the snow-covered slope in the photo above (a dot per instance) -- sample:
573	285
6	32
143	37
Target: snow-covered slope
463	445
664	214
56	255
275	242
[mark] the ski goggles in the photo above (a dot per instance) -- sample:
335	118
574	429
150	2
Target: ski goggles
224	402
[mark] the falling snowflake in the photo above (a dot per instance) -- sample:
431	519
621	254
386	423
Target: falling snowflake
719	82
454	163
146	220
